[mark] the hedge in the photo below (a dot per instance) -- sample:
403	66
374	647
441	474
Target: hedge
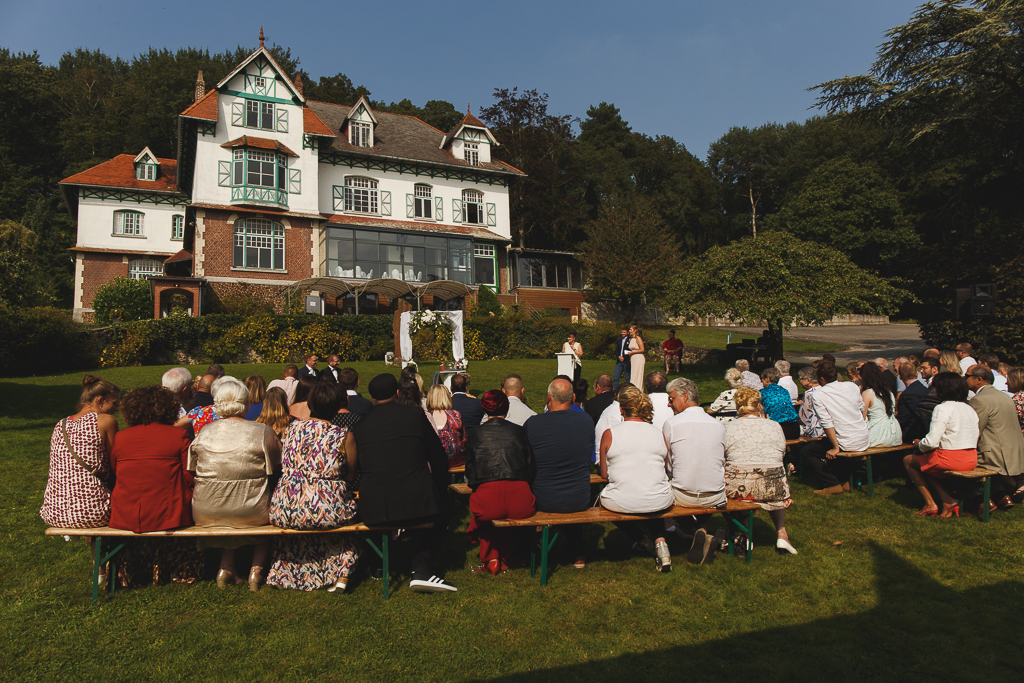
43	341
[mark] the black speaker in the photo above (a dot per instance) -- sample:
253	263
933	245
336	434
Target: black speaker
983	300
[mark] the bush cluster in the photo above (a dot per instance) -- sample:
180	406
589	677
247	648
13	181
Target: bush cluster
43	341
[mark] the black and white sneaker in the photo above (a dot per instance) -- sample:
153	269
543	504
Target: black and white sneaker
433	584
698	550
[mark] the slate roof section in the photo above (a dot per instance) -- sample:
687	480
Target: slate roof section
206	108
119	172
397	136
312	125
473	231
259	143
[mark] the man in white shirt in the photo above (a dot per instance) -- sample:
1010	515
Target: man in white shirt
518	412
179	382
786	381
840	409
287	383
991	361
963	352
654	383
808	417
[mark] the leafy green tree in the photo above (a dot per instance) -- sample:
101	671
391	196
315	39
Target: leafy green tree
337	89
629	254
123	300
781	280
18	276
440	114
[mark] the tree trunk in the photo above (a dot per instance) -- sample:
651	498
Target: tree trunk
753	209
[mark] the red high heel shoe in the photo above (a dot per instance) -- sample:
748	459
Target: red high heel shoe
950	510
928	511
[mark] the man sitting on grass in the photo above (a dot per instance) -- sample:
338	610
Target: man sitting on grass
840	409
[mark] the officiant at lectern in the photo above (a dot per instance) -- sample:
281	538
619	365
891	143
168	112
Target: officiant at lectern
572	346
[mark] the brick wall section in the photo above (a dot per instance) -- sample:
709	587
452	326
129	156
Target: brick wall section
218	248
272	294
539	299
97	270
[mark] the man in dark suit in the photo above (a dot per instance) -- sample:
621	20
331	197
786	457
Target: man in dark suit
330	373
911	424
470	409
309	369
621	360
404	478
348	379
603	397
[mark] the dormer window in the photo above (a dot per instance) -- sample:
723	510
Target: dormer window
360	134
472	151
361	123
145	165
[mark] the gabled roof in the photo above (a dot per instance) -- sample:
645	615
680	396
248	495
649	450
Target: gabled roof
205	108
259	143
366	105
261	50
143	153
401	137
472	122
119	172
312	125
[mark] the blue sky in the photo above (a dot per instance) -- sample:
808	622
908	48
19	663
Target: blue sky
686	69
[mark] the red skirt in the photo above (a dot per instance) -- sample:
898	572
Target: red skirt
941	459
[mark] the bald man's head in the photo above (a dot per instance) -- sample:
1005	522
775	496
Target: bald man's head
513	386
205	382
560	394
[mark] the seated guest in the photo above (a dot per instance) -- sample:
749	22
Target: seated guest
991	361
808	417
696	443
562	442
179	382
203	396
747	378
200	416
518	411
722	408
879	408
257	387
275	411
298	409
348	379
672	348
853	370
1015	383
344	417
233	460
467	406
77	494
409	393
447	423
580	387
888	376
911	425
216	371
840	409
404	478
950	363
499	469
778	405
786	381
633	460
318	461
603	397
287	383
754	470
950	444
900	384
1000	443
654	384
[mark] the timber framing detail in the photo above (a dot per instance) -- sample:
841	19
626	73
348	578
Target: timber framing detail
410	168
133	197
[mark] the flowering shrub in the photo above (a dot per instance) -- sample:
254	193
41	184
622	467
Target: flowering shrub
130	345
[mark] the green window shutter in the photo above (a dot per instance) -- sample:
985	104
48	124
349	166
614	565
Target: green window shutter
385	203
438	209
224	173
339	198
492	217
410	206
238	113
294	181
456	210
282	120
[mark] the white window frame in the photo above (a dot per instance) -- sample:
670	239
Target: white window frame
423	200
360	134
483	250
258	233
259	82
142	268
471	152
134	227
362	192
177	227
146	172
475	197
264	113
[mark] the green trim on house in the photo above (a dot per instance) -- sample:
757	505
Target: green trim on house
410	168
132	197
206	128
263	98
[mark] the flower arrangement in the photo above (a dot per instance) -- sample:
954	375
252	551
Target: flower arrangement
428	320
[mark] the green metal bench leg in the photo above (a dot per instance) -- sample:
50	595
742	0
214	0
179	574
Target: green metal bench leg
748	530
545	548
382	553
987	487
871	479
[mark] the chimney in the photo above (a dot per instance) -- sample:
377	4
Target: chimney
298	84
200	86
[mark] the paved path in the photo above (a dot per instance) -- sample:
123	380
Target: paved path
859	341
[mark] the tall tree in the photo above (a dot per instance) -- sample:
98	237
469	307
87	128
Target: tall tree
336	89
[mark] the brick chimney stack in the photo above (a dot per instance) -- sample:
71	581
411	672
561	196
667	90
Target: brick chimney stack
298	84
200	86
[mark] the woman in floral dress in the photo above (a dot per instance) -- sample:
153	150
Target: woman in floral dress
318	461
447	423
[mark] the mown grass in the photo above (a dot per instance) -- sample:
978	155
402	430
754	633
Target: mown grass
875	594
712	338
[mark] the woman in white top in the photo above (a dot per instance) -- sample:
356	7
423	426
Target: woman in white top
572	346
754	450
634	455
723	408
950	445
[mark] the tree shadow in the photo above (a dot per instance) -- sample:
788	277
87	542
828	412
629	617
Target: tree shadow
38	403
919	629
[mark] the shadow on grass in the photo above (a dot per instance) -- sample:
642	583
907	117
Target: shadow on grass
919	629
38	403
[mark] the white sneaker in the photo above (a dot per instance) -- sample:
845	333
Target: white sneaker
434	584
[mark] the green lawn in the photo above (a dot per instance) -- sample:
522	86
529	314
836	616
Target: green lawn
712	338
875	594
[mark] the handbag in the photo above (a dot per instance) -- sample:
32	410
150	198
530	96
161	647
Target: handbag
93	471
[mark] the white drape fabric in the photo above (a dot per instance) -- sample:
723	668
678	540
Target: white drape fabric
458	339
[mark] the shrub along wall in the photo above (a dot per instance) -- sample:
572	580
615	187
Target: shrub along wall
43	341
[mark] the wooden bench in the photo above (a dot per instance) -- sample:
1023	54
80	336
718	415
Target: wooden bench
99	559
864	456
985	475
464	490
598	515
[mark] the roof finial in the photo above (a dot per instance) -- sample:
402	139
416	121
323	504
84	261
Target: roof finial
467	109
261	35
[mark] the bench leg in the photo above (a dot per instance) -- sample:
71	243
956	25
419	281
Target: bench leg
96	564
545	548
748	530
382	553
987	496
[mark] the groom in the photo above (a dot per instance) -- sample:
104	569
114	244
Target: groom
621	360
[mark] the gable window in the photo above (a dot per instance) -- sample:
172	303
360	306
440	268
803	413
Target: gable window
259	243
177	227
361	195
128	223
259	82
424	200
142	268
472	153
145	171
360	134
472	206
259	114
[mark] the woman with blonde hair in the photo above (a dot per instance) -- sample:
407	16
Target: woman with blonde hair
950	363
447	423
257	387
637	359
633	457
723	408
275	411
754	449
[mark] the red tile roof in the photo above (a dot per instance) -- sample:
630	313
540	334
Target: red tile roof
313	124
386	223
259	143
120	172
205	108
471	120
180	256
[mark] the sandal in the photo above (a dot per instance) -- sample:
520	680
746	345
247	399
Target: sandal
950	510
928	511
580	563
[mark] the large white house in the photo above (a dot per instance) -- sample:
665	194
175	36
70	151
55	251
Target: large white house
270	189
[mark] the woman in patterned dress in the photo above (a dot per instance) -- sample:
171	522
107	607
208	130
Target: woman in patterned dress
447	423
317	464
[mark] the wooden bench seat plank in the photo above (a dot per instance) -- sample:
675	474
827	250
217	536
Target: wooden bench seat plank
598	515
976	473
208	531
985	476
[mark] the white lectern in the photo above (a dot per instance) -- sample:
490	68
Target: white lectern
565	364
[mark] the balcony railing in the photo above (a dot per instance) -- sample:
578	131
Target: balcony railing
259	195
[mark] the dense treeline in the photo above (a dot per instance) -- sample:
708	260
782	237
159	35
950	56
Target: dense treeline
911	171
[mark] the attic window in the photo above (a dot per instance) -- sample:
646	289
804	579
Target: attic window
260	82
472	152
145	171
360	134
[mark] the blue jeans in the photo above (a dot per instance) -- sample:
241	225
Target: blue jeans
621	370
